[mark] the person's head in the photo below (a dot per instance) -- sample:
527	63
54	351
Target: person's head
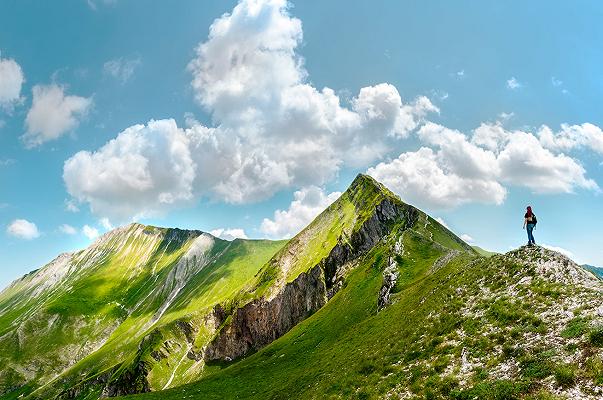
529	209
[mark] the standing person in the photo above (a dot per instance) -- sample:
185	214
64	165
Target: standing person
529	223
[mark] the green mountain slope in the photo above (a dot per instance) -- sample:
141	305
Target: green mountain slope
483	252
89	311
522	325
595	270
374	299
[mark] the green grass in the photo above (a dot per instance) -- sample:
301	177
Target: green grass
127	277
483	252
346	350
351	347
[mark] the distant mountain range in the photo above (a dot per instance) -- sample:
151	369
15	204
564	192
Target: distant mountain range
595	270
373	299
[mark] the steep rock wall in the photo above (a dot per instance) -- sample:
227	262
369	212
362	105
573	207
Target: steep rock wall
260	322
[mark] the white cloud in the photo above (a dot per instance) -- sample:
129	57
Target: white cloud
466	238
306	205
461	170
11	81
556	82
142	172
90	232
419	178
572	137
491	136
558	249
271	129
121	68
52	114
106	224
524	162
67	229
513	83
442	222
23	229
249	76
229	233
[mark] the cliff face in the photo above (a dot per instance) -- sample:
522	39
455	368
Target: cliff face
262	321
144	308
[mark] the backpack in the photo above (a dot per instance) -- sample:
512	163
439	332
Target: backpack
534	220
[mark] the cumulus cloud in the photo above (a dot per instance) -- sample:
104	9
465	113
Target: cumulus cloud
23	229
11	80
67	229
121	68
524	162
572	137
52	114
145	170
306	205
420	178
229	233
271	129
459	169
90	232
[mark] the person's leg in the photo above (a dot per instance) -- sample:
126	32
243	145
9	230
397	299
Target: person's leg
530	227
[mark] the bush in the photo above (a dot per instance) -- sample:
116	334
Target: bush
595	337
575	328
565	376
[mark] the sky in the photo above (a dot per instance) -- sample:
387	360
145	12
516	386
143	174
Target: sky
246	119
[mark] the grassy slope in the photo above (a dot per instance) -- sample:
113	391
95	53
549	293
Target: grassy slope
340	220
345	346
92	302
413	348
336	349
483	252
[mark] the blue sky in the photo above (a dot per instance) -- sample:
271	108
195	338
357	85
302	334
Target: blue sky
468	111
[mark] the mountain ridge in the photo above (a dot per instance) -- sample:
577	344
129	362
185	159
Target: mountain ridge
165	307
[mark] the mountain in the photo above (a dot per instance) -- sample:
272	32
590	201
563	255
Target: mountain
483	252
595	270
374	299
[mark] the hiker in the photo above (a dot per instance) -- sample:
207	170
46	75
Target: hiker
529	223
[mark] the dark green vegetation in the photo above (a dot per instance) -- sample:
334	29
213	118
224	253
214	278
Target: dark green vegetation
402	309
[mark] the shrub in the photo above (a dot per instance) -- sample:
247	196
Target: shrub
595	337
565	376
575	328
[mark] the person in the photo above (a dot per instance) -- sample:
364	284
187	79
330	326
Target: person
529	222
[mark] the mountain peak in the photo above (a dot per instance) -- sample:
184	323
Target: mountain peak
364	181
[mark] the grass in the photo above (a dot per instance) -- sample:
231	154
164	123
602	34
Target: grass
128	274
346	350
348	344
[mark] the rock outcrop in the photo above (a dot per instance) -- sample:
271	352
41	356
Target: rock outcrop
262	321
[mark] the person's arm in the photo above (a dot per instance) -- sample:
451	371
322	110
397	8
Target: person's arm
525	221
